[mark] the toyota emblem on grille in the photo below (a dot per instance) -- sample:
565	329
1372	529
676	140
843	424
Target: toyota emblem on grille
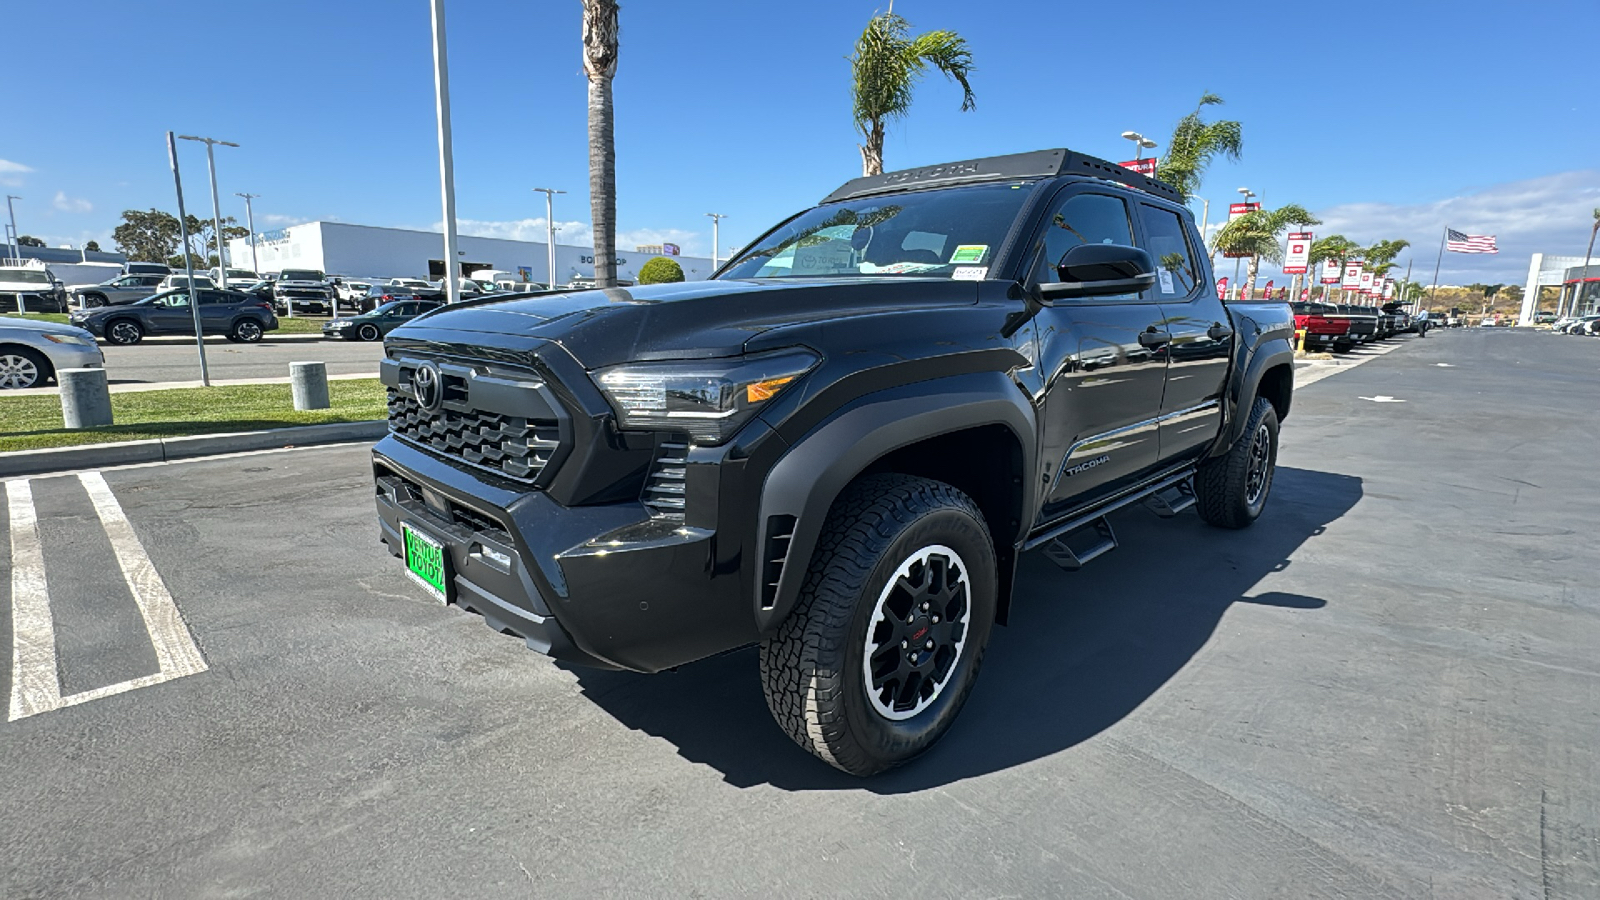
425	386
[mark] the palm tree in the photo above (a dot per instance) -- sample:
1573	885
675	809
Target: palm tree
1334	247
600	64
1195	142
1577	295
1256	235
886	66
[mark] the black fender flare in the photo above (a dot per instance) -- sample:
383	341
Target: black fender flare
1246	386
808	478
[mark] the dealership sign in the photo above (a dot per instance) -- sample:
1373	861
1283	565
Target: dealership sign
1352	275
1330	271
1235	210
1298	259
1366	282
669	249
1142	166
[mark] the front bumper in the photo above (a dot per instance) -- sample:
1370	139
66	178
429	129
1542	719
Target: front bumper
75	356
344	332
603	585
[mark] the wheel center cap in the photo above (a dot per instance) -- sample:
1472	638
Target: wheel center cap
920	629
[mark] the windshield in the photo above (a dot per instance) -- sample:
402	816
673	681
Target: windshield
24	276
930	234
300	275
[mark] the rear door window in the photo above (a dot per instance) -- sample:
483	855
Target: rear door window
1167	240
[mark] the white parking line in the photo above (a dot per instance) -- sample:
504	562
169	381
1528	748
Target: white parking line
35	684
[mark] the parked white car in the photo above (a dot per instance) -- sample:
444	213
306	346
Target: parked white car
32	351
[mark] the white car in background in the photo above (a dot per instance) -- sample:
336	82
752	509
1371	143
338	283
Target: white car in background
32	351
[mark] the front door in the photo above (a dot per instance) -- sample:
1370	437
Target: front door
1202	336
1104	361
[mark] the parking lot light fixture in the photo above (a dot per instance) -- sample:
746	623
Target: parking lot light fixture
250	223
447	176
716	222
216	204
188	260
16	245
550	229
1140	143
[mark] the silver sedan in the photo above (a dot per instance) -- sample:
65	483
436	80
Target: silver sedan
32	351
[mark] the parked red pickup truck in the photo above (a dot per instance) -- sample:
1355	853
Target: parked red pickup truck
1323	331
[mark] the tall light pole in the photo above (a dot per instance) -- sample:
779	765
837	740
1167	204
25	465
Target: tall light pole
16	244
716	222
447	178
188	261
250	222
216	203
1140	144
550	229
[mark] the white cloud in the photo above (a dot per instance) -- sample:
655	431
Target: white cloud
280	220
71	204
11	173
1551	214
580	234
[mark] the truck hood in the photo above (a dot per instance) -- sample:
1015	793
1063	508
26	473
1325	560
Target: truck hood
687	320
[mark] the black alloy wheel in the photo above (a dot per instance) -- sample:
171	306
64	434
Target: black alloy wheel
1231	490
124	332
246	331
368	332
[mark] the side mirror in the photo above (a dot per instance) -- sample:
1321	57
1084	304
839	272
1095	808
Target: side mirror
1099	270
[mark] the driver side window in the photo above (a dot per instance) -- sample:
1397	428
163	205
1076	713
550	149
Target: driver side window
1083	219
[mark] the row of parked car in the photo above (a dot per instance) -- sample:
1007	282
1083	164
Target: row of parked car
1340	327
1587	324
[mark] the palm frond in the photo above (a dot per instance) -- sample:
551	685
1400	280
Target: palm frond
947	52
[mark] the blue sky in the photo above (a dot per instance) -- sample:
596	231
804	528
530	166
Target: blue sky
1390	120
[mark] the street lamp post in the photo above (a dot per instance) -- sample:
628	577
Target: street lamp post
16	244
250	222
550	229
716	222
188	261
1140	144
447	179
216	204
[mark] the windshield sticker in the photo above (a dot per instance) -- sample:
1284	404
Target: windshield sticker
899	268
1166	281
970	253
969	273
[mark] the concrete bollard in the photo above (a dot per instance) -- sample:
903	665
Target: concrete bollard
85	397
309	381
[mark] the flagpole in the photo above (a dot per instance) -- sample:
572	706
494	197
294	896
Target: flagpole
1434	288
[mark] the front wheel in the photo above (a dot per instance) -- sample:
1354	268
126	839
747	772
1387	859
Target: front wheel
368	332
124	332
1231	490
246	331
874	663
21	367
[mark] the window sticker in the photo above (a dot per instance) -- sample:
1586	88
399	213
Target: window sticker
969	273
969	253
899	268
1166	281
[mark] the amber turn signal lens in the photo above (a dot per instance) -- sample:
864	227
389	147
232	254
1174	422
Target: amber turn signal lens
764	390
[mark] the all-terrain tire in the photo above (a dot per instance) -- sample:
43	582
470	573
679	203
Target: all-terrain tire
1231	490
865	567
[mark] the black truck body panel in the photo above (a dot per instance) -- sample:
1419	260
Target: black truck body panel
641	549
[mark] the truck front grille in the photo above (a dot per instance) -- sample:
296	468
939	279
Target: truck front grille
513	446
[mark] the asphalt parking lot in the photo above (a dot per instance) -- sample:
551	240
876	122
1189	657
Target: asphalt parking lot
179	361
1388	688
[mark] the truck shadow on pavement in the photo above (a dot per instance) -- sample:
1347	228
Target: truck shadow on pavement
1082	651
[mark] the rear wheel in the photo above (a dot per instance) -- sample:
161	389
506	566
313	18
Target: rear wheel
124	332
877	658
246	331
21	367
1231	490
368	332
94	301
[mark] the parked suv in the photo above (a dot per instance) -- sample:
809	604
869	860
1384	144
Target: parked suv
839	446
243	318
122	289
303	290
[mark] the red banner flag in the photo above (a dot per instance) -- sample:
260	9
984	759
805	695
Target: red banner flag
1222	288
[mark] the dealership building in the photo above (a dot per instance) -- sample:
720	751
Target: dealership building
338	248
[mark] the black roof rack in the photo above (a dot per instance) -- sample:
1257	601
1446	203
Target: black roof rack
1012	167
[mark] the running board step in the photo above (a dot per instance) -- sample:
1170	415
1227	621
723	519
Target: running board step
1171	500
1071	551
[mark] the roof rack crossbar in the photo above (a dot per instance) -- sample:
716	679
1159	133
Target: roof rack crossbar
1015	166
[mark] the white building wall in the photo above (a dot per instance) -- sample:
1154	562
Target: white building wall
340	248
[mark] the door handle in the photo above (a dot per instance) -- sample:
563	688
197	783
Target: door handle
1151	337
1219	332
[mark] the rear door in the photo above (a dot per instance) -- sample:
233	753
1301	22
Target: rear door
1103	359
217	311
170	314
1202	336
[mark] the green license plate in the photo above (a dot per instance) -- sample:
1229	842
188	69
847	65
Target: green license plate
425	563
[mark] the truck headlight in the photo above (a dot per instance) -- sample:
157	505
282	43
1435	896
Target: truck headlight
710	399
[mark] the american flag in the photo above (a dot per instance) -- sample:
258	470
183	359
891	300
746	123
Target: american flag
1456	242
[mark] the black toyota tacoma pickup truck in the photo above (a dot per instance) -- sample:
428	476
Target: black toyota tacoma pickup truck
838	446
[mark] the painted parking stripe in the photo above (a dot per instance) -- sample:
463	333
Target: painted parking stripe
34	685
176	652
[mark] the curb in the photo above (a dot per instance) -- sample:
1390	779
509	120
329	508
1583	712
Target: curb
188	339
95	456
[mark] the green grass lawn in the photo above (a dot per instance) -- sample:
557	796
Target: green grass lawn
32	423
60	318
